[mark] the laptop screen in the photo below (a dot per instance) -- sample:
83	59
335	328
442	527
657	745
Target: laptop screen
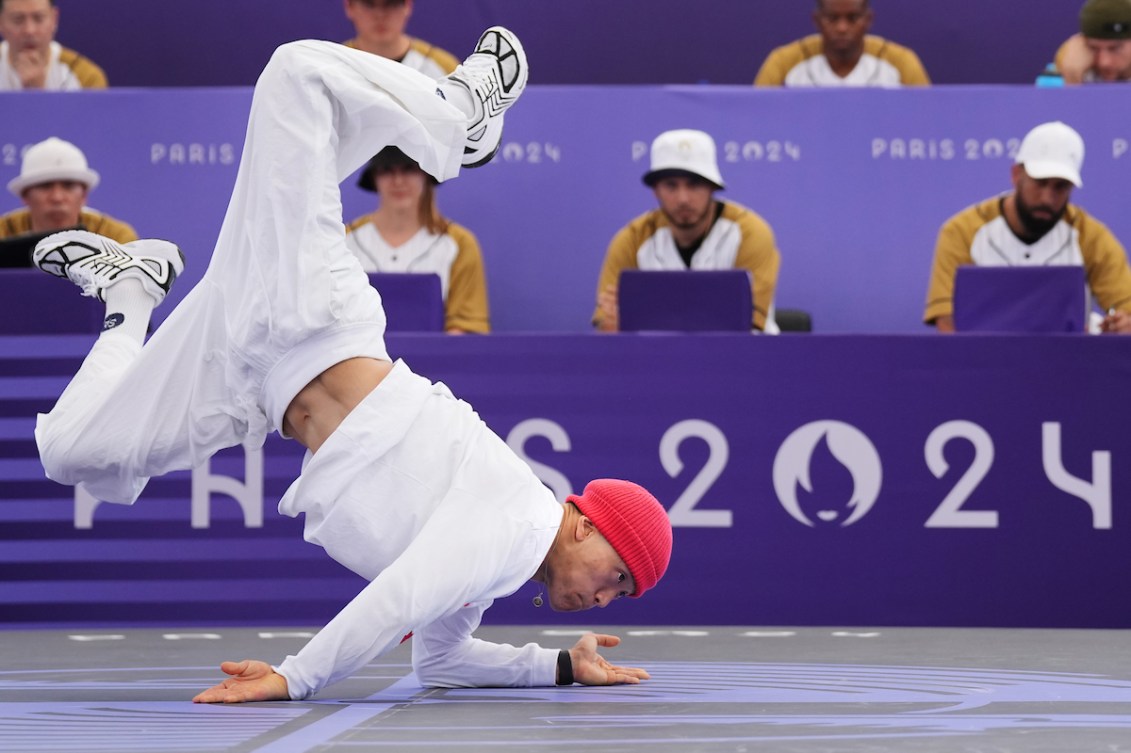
413	302
15	251
1020	299
685	301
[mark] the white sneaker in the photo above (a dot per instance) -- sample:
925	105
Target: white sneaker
494	75
94	262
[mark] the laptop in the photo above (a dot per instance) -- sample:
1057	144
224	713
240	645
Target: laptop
15	251
685	301
1020	299
413	302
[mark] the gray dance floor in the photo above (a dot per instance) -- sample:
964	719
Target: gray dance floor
811	690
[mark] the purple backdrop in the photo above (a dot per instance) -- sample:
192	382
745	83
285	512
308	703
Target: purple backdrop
225	43
812	480
855	184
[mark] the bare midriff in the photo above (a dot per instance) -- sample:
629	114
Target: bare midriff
320	406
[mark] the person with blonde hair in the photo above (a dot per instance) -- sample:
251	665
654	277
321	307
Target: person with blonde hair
407	233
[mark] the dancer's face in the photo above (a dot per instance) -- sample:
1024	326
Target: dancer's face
587	572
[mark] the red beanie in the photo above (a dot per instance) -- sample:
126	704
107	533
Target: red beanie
634	523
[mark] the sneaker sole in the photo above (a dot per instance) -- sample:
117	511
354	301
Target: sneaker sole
49	256
58	253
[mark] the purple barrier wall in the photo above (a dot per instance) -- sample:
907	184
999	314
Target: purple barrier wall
855	184
224	43
812	480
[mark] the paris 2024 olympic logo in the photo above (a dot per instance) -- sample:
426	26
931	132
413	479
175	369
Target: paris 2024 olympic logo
844	444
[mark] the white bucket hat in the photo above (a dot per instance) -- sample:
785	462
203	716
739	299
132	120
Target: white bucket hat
51	160
1052	150
687	151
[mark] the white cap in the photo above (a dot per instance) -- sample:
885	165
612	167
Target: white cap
687	151
51	160
1052	150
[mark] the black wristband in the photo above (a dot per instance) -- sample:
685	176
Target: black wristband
565	668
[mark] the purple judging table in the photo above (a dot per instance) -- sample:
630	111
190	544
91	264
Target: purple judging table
972	480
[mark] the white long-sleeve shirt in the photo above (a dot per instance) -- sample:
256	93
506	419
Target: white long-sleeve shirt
413	492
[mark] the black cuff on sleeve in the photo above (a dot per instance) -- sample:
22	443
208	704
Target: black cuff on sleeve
565	668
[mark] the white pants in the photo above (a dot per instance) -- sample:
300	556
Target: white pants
282	300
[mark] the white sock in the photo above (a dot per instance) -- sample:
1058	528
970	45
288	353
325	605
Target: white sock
457	95
128	308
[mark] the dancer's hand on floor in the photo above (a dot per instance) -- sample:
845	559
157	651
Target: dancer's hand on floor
250	681
590	668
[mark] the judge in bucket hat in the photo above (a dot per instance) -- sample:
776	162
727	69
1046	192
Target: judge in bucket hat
54	183
690	230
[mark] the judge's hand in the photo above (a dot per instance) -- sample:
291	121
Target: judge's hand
250	681
590	668
30	64
1118	322
608	316
1076	60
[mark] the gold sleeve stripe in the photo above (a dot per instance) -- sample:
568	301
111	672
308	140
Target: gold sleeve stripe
446	60
89	75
